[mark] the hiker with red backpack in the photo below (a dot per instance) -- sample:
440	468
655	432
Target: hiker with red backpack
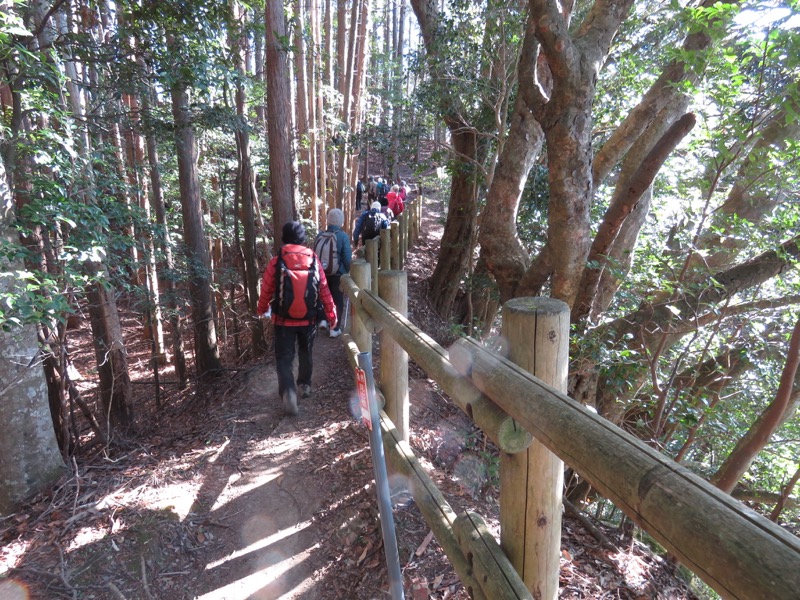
332	246
293	285
395	201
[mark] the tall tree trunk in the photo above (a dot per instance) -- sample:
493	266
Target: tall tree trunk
258	60
279	119
301	109
347	98
359	83
31	457
341	45
312	92
320	125
327	54
506	257
566	118
207	361
397	92
154	328
246	186
112	358
469	153
454	254
112	361
165	244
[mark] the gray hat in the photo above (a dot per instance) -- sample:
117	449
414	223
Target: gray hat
375	205
336	217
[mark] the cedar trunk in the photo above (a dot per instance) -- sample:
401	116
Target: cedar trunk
279	119
205	335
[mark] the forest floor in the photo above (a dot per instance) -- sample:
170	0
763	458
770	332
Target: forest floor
222	496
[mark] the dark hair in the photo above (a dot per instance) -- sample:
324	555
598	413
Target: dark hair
293	233
383	201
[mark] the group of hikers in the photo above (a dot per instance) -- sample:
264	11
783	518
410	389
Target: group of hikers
385	202
300	287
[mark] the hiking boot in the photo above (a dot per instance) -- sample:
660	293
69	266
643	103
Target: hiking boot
305	390
289	398
335	333
323	324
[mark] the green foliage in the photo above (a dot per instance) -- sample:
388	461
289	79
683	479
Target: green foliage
532	215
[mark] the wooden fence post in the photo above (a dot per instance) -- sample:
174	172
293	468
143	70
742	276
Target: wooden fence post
531	482
371	254
395	246
360	272
394	360
414	220
386	253
402	230
420	201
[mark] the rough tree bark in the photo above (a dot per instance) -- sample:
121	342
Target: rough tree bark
566	118
31	457
164	240
279	120
207	360
505	256
468	153
302	111
621	205
246	185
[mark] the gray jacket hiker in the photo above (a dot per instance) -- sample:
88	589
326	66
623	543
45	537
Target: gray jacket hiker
345	252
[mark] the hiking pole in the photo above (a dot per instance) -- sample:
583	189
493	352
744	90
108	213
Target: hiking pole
346	311
366	380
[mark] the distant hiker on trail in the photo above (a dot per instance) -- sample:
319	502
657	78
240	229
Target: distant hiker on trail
388	212
359	194
395	201
372	189
369	224
291	289
381	190
404	191
332	246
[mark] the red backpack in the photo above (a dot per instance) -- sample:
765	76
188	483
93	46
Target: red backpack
297	285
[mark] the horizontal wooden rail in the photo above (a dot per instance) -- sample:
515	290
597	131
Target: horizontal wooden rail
506	434
733	549
487	559
481	565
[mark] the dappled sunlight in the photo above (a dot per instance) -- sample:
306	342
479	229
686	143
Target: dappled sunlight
252	536
274	562
177	497
239	485
85	536
11	556
271	581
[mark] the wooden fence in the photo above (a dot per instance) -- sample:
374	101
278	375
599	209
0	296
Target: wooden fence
733	549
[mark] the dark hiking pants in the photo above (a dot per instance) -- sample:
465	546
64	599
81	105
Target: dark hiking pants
338	297
285	339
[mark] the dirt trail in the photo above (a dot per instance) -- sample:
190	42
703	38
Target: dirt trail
222	497
274	482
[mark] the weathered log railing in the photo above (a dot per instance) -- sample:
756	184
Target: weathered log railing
734	550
